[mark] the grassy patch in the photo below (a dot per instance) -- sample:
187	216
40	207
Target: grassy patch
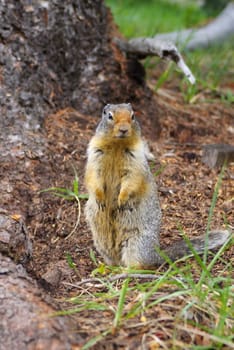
213	69
181	312
138	18
185	306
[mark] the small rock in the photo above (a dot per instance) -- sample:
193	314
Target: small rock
52	276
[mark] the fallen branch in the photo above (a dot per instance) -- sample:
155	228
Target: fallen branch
216	31
143	47
114	278
163	45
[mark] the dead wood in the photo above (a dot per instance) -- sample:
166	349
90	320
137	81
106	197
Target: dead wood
142	47
216	154
114	278
220	29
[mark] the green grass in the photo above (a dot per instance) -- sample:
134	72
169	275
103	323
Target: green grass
187	305
72	194
212	67
204	308
66	193
147	18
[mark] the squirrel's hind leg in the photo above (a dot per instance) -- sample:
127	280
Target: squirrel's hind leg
140	253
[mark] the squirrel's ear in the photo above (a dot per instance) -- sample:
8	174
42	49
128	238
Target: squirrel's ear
130	105
105	108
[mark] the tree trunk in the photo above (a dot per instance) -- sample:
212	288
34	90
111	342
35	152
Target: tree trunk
56	54
24	314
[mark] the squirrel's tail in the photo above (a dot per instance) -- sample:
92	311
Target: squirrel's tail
182	248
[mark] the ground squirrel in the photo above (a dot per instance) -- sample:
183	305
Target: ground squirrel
123	208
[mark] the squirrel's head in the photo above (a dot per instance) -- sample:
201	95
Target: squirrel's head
119	121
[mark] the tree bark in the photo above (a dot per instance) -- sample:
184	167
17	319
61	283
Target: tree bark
25	324
57	54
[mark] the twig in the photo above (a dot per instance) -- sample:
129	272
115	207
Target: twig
113	278
87	280
122	276
213	337
77	220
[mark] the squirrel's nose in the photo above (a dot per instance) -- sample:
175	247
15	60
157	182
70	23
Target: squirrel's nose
123	130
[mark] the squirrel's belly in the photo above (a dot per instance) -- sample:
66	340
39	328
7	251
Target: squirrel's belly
111	228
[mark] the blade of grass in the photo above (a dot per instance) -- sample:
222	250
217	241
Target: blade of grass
164	76
64	196
196	255
211	211
93	257
77	220
169	296
224	299
121	301
218	254
75	182
55	189
83	196
95	340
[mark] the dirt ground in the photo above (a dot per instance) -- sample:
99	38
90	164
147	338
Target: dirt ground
185	187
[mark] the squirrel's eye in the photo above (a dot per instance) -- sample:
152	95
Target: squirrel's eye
110	116
133	116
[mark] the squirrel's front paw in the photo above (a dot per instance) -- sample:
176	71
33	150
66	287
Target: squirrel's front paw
123	198
100	197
